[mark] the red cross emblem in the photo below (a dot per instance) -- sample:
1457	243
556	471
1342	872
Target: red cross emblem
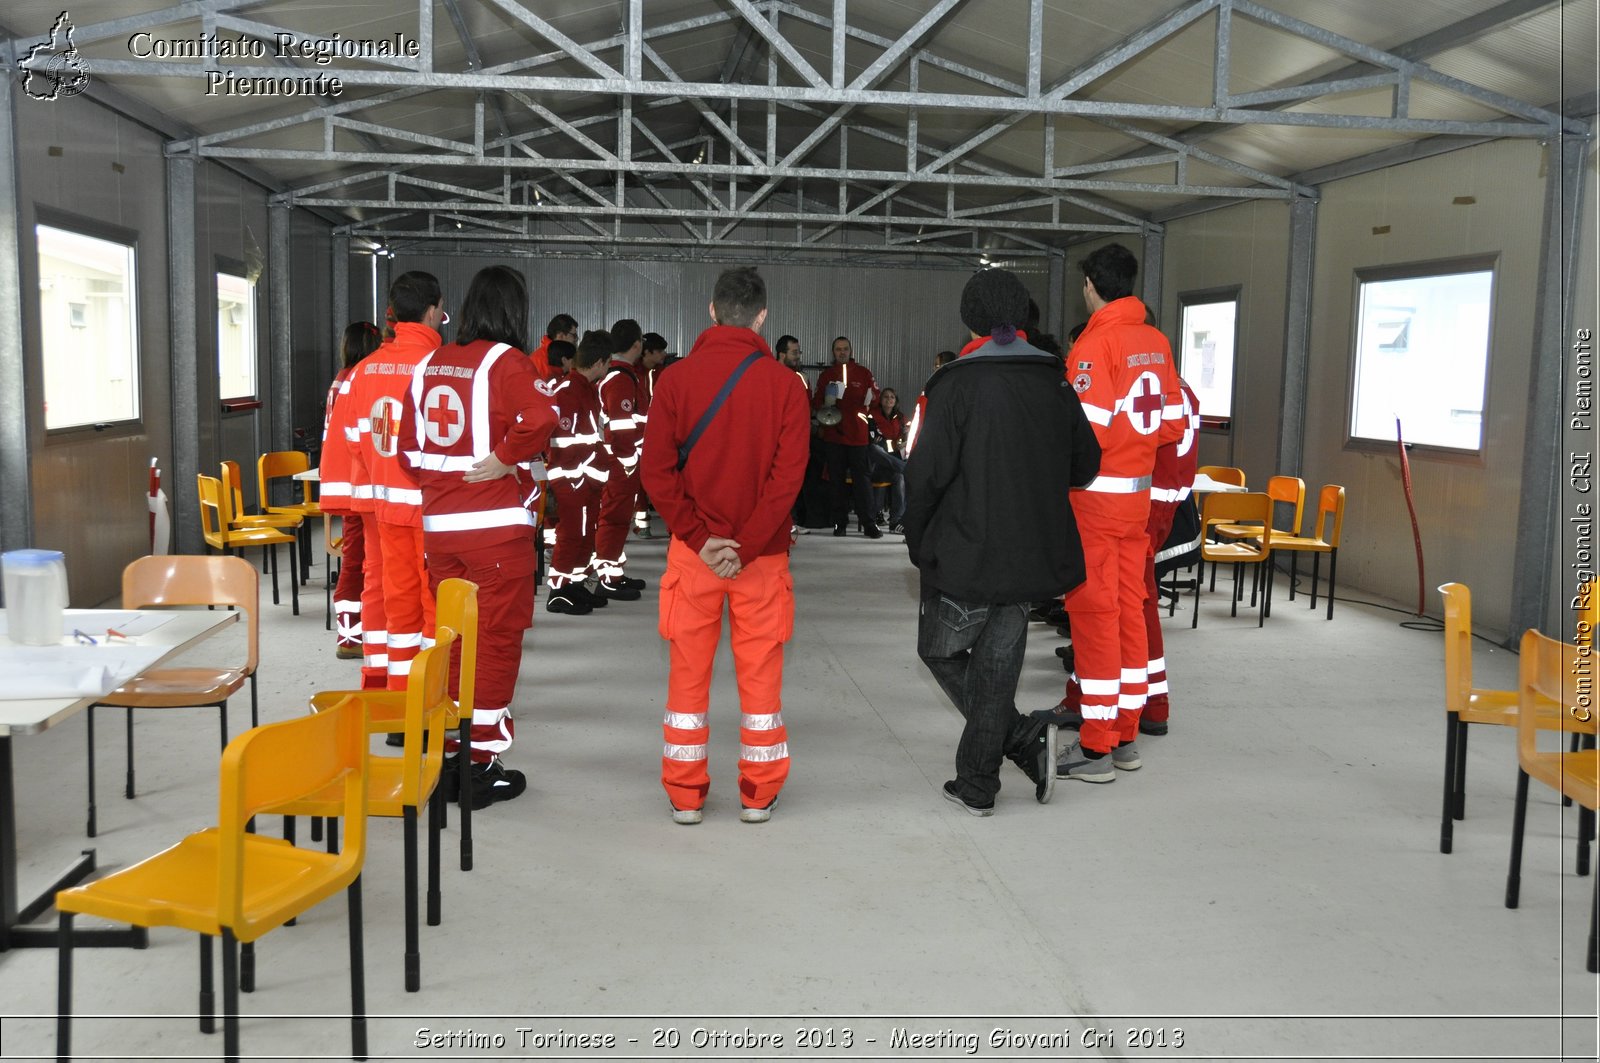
1144	403
386	426
446	417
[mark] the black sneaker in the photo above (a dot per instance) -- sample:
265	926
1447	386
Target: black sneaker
872	531
951	794
1152	727
1061	716
494	782
566	601
629	581
1037	759
582	593
616	590
839	532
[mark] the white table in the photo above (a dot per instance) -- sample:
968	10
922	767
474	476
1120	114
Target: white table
1205	485
313	475
31	716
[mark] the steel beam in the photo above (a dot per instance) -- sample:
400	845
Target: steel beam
1297	336
339	302
17	415
1150	270
1543	464
280	301
183	333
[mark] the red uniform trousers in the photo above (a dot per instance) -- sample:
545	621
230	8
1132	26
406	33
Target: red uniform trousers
347	592
1159	526
1107	613
407	598
577	510
616	517
374	623
760	603
505	579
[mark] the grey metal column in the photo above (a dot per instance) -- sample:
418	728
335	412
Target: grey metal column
280	300
1542	464
340	303
1054	308
1297	336
16	474
185	359
381	296
1150	267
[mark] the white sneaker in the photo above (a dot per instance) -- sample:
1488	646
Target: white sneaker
687	816
758	815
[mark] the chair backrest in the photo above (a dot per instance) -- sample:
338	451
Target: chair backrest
1550	670
232	485
457	608
1239	507
212	506
276	464
1330	515
428	706
1457	645
280	762
187	579
332	545
1290	490
1225	474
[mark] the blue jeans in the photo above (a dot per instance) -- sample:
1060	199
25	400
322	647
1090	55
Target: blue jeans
975	650
890	467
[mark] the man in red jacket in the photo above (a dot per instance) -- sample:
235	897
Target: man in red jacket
848	387
562	327
723	470
477	415
578	469
620	402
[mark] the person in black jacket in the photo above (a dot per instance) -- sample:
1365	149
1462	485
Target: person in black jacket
989	525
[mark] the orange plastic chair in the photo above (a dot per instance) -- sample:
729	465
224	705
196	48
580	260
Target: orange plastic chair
220	531
400	786
1545	674
283	464
1290	490
1324	539
1251	510
179	580
1225	474
228	882
242	517
456	609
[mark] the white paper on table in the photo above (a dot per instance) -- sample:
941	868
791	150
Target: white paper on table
28	672
126	622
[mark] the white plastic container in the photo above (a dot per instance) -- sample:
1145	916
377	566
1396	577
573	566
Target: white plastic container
36	595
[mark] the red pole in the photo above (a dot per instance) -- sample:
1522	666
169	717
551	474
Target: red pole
1416	533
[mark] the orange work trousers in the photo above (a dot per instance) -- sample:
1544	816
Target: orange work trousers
1109	650
407	598
374	626
760	603
1157	528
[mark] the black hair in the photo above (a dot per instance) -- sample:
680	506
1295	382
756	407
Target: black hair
412	293
835	342
595	347
361	338
783	345
993	299
495	308
624	334
739	297
561	351
943	358
654	341
561	323
1111	269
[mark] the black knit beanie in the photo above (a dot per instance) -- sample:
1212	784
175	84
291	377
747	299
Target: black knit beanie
993	299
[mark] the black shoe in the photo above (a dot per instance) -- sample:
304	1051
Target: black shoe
1036	756
899	528
566	601
629	581
872	531
395	738
839	531
1062	619
951	794
1041	611
494	782
593	599
1061	716
1152	727
616	590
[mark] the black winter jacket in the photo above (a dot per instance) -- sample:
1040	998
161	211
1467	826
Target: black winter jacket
988	517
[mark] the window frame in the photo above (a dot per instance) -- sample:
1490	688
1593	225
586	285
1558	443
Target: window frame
1230	293
81	225
1482	262
233	267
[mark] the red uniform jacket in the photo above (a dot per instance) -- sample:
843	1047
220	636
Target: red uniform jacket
742	478
857	390
620	418
467	402
334	469
576	451
892	427
380	394
1178	461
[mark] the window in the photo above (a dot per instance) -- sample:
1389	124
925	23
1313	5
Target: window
1422	353
89	338
236	337
1208	324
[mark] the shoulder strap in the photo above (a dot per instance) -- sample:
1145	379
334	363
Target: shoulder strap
711	411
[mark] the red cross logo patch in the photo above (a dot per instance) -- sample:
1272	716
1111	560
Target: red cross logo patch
386	413
627	405
1144	402
444	417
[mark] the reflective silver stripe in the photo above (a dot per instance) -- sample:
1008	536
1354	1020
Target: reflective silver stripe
347	606
575	440
441	462
684	721
761	754
620	422
1172	412
1130	701
1101	687
352	434
629	464
427	643
673	751
1134	675
400	667
361	491
762	721
1097	415
400	496
1177	551
1165	494
1119	485
405	641
330	490
364	424
1158	664
378	636
1099	712
511	516
375	660
344	388
1158	687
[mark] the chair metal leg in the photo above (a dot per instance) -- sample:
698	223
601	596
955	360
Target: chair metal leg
222	723
1294	571
358	975
1585	835
230	995
316	828
1463	731
255	704
1316	569
1199	577
294	584
413	944
247	967
274	564
1333	578
127	785
1447	817
1514	876
1577	738
435	823
333	835
464	766
89	759
64	989
208	993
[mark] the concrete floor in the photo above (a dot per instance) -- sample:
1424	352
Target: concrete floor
1269	884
